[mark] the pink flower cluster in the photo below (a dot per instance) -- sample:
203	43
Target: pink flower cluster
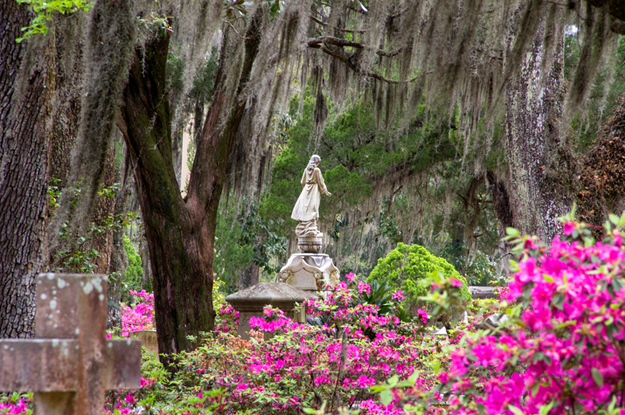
565	354
228	320
351	349
15	408
139	316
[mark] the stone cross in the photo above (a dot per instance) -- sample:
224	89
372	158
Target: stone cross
70	363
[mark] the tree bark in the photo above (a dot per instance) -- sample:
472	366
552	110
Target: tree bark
69	69
533	143
603	173
181	232
23	169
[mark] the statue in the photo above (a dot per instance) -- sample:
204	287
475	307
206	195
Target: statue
309	269
306	210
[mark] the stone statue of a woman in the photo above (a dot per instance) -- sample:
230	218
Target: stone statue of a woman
306	210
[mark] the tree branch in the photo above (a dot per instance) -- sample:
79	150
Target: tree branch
323	41
314	19
330	40
350	64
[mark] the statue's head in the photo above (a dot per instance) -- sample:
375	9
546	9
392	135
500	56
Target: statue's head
314	160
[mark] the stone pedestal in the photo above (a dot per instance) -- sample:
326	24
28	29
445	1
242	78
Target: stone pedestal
148	340
251	301
310	244
309	271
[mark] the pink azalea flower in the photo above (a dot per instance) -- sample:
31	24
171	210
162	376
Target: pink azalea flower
398	296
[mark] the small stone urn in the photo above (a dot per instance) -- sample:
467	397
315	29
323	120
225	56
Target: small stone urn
251	301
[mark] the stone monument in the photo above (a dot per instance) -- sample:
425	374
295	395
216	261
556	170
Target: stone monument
310	269
251	301
70	363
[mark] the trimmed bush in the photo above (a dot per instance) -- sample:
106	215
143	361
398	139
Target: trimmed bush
404	266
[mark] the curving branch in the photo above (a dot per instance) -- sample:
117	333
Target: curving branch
323	42
330	40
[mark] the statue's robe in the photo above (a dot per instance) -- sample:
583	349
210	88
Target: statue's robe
306	209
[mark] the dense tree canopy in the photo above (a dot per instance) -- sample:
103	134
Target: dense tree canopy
439	123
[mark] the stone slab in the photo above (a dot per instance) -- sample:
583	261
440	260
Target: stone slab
50	365
251	301
148	339
483	292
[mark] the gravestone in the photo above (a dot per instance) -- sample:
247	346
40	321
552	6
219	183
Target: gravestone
70	363
148	340
483	292
251	301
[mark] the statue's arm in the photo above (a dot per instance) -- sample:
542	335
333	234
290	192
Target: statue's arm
321	182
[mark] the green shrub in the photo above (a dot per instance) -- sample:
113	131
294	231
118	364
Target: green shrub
134	273
404	266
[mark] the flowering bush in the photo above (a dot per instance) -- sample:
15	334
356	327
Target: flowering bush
332	363
139	316
16	404
563	348
228	320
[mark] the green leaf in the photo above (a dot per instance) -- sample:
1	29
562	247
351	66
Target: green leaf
386	397
515	410
544	409
597	376
614	219
512	232
621	221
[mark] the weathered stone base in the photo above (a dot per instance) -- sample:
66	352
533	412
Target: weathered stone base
310	272
310	244
148	340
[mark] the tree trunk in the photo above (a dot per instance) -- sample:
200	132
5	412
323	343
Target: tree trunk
180	233
23	170
533	144
249	276
603	173
69	89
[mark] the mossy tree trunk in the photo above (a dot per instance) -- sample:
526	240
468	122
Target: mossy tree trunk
181	232
534	145
24	105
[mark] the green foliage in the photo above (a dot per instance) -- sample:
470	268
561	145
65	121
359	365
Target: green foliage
244	239
132	277
481	270
54	193
231	258
44	10
81	257
406	265
604	93
256	233
381	295
219	298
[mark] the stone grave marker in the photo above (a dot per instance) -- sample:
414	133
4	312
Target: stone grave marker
483	292
70	363
251	301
